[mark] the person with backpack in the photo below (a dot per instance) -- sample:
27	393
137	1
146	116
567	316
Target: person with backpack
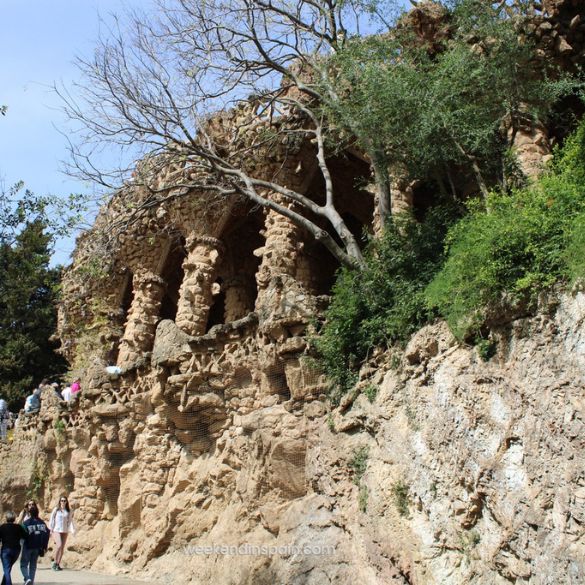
10	535
35	544
4	418
32	404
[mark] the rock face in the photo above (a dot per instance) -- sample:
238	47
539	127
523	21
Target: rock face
458	471
211	454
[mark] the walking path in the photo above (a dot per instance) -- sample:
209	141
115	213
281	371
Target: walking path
46	576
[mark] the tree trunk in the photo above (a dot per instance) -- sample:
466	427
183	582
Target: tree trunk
384	192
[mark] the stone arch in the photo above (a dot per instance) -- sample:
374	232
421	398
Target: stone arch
172	273
355	202
235	289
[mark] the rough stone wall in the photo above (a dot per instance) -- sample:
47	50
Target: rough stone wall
473	471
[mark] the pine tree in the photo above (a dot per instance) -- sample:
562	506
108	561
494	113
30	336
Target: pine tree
28	288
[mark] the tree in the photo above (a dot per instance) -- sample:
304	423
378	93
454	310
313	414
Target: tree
152	87
454	101
27	311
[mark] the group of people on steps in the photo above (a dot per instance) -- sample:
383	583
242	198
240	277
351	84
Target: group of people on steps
29	538
32	404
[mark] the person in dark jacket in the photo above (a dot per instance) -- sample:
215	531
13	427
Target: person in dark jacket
35	544
10	535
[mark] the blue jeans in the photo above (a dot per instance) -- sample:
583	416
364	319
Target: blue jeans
28	563
9	556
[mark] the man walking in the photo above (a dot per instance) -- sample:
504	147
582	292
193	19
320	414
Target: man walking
35	545
10	535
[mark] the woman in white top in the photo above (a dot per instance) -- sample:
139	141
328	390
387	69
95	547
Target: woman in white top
60	525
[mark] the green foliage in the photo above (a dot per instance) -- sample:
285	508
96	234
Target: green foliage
425	110
486	348
575	252
400	494
330	423
359	463
515	245
59	426
20	206
384	303
27	313
370	391
363	496
37	480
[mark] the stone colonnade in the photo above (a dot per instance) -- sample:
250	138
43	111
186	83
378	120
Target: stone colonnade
279	256
279	253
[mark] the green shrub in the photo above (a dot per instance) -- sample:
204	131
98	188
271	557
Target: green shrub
370	391
59	426
486	348
575	253
400	493
384	303
359	463
515	245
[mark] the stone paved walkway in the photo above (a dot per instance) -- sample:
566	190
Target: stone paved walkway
46	576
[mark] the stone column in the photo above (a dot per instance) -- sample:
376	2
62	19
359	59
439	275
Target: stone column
195	295
401	193
143	316
279	253
532	148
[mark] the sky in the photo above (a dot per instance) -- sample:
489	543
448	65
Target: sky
39	40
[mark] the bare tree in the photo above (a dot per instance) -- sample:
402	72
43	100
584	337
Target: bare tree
155	84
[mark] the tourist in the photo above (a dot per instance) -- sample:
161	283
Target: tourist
44	385
10	535
35	545
76	386
32	404
61	524
25	513
56	390
66	394
4	418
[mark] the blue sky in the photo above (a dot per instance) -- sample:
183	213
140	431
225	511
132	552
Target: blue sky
38	42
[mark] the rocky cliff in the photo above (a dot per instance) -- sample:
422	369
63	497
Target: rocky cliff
445	469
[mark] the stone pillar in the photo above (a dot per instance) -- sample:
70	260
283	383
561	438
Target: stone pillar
279	253
401	194
532	148
237	298
195	295
143	316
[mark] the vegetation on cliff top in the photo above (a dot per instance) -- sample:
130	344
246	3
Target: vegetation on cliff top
506	249
516	244
384	303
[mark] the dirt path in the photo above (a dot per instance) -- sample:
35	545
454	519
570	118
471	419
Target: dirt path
46	576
